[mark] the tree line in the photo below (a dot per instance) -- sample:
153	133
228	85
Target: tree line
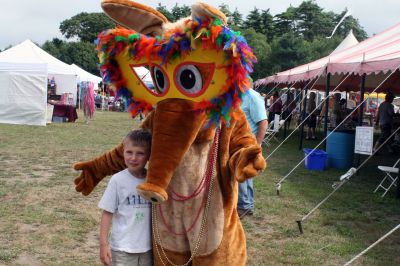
282	41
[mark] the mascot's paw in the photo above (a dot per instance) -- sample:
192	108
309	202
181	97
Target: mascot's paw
247	163
152	192
86	182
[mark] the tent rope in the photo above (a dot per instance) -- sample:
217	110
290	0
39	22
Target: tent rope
373	245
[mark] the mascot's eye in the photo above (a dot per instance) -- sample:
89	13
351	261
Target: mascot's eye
188	79
160	79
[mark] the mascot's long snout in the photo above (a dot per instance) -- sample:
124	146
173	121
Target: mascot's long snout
175	126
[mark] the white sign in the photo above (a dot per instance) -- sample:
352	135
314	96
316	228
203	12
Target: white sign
276	123
364	140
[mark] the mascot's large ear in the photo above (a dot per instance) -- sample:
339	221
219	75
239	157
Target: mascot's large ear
203	11
135	16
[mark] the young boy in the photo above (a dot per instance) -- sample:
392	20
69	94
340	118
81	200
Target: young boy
129	214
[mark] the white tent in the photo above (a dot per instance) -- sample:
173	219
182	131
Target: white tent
83	75
347	42
24	70
144	74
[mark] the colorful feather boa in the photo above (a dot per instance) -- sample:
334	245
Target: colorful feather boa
175	43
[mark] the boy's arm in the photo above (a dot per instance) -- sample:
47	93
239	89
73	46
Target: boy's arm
105	224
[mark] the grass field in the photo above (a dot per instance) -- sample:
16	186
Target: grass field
45	222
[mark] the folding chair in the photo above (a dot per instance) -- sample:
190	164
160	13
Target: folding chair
268	133
390	179
271	131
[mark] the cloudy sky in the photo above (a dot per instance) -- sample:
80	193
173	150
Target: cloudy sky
39	20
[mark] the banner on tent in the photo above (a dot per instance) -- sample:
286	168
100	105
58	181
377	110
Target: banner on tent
364	140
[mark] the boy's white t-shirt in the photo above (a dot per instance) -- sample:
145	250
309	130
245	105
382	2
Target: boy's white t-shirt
131	221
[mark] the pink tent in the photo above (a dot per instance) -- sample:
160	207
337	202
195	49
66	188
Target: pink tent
375	57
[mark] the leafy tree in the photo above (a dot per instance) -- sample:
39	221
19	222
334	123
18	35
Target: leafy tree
287	52
253	20
285	22
308	15
321	46
163	10
54	47
236	19
267	24
180	12
86	26
258	42
82	54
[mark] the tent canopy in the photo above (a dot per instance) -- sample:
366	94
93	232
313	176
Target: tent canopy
29	53
347	42
375	57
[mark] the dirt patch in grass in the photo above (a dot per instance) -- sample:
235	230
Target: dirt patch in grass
27	259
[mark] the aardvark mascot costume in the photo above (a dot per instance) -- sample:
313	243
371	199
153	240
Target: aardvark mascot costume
202	145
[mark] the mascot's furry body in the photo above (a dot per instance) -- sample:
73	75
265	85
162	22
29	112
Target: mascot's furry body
202	144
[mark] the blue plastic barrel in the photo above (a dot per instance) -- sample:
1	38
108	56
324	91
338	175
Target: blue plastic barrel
340	149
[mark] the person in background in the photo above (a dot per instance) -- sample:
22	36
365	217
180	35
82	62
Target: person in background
265	99
275	107
312	119
384	120
254	109
336	112
124	209
289	106
77	97
351	102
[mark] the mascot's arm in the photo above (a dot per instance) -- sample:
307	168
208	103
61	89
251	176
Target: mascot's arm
107	164
245	154
95	170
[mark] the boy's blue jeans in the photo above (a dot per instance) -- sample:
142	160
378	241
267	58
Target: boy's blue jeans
246	195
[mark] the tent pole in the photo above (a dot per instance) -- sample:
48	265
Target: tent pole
79	97
286	110
361	110
303	115
328	85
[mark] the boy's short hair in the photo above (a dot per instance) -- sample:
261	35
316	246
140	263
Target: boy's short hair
140	137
